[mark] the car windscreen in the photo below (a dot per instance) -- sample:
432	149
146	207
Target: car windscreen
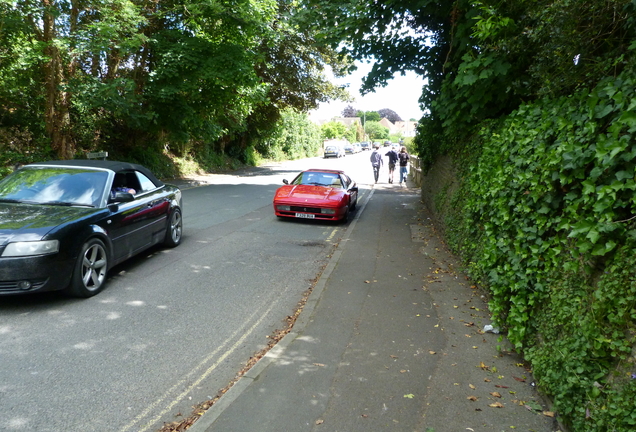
55	185
318	179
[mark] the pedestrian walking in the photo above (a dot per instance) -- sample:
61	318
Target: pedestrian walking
376	161
393	158
404	160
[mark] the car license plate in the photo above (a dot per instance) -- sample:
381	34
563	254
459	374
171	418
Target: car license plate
305	215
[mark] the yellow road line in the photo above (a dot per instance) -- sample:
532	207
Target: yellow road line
333	233
203	376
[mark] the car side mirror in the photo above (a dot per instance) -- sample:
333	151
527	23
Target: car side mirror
354	189
285	181
121	197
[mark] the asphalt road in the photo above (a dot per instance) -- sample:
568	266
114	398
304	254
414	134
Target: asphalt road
173	325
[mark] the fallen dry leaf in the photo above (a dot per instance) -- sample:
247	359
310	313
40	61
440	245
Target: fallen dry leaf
472	398
472	386
496	405
483	365
519	379
548	413
319	422
495	394
432	352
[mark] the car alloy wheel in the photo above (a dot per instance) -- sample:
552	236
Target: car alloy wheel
90	270
345	217
175	229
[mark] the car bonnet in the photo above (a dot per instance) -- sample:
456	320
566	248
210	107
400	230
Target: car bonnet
27	222
308	193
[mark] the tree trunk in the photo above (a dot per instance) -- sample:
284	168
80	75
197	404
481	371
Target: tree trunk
57	116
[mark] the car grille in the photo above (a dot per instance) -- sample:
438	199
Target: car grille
305	209
12	286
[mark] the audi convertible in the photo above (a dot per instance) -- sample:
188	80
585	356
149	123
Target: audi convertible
64	224
317	194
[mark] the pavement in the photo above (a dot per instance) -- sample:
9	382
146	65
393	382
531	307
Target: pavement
391	339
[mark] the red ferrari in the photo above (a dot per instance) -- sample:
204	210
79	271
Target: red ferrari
317	194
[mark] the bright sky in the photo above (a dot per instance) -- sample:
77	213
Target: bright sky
401	95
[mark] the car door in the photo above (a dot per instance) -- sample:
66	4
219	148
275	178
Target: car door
157	203
351	187
136	225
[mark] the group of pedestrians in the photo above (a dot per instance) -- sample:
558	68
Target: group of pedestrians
394	157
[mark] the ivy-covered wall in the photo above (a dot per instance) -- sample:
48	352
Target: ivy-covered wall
544	217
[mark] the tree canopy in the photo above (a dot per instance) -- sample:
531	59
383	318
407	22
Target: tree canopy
127	75
481	59
349	111
390	115
366	116
376	131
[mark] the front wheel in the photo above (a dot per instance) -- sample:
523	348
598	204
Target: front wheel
345	217
174	229
89	275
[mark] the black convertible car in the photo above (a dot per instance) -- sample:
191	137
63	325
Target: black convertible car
63	224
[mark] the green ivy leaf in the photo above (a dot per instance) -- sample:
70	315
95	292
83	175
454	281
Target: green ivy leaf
603	110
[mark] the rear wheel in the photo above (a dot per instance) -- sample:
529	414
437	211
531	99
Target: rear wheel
89	275
174	229
354	204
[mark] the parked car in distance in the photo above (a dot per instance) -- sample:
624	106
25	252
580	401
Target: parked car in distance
64	224
348	148
365	145
334	151
317	194
357	148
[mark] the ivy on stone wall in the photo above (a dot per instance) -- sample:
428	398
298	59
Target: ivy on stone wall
546	219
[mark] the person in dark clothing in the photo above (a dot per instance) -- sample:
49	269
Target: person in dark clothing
404	160
376	162
393	158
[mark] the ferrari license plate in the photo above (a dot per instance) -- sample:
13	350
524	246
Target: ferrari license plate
305	215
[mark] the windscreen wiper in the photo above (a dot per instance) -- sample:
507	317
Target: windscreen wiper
66	204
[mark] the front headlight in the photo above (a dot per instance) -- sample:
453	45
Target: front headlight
328	211
283	208
31	248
